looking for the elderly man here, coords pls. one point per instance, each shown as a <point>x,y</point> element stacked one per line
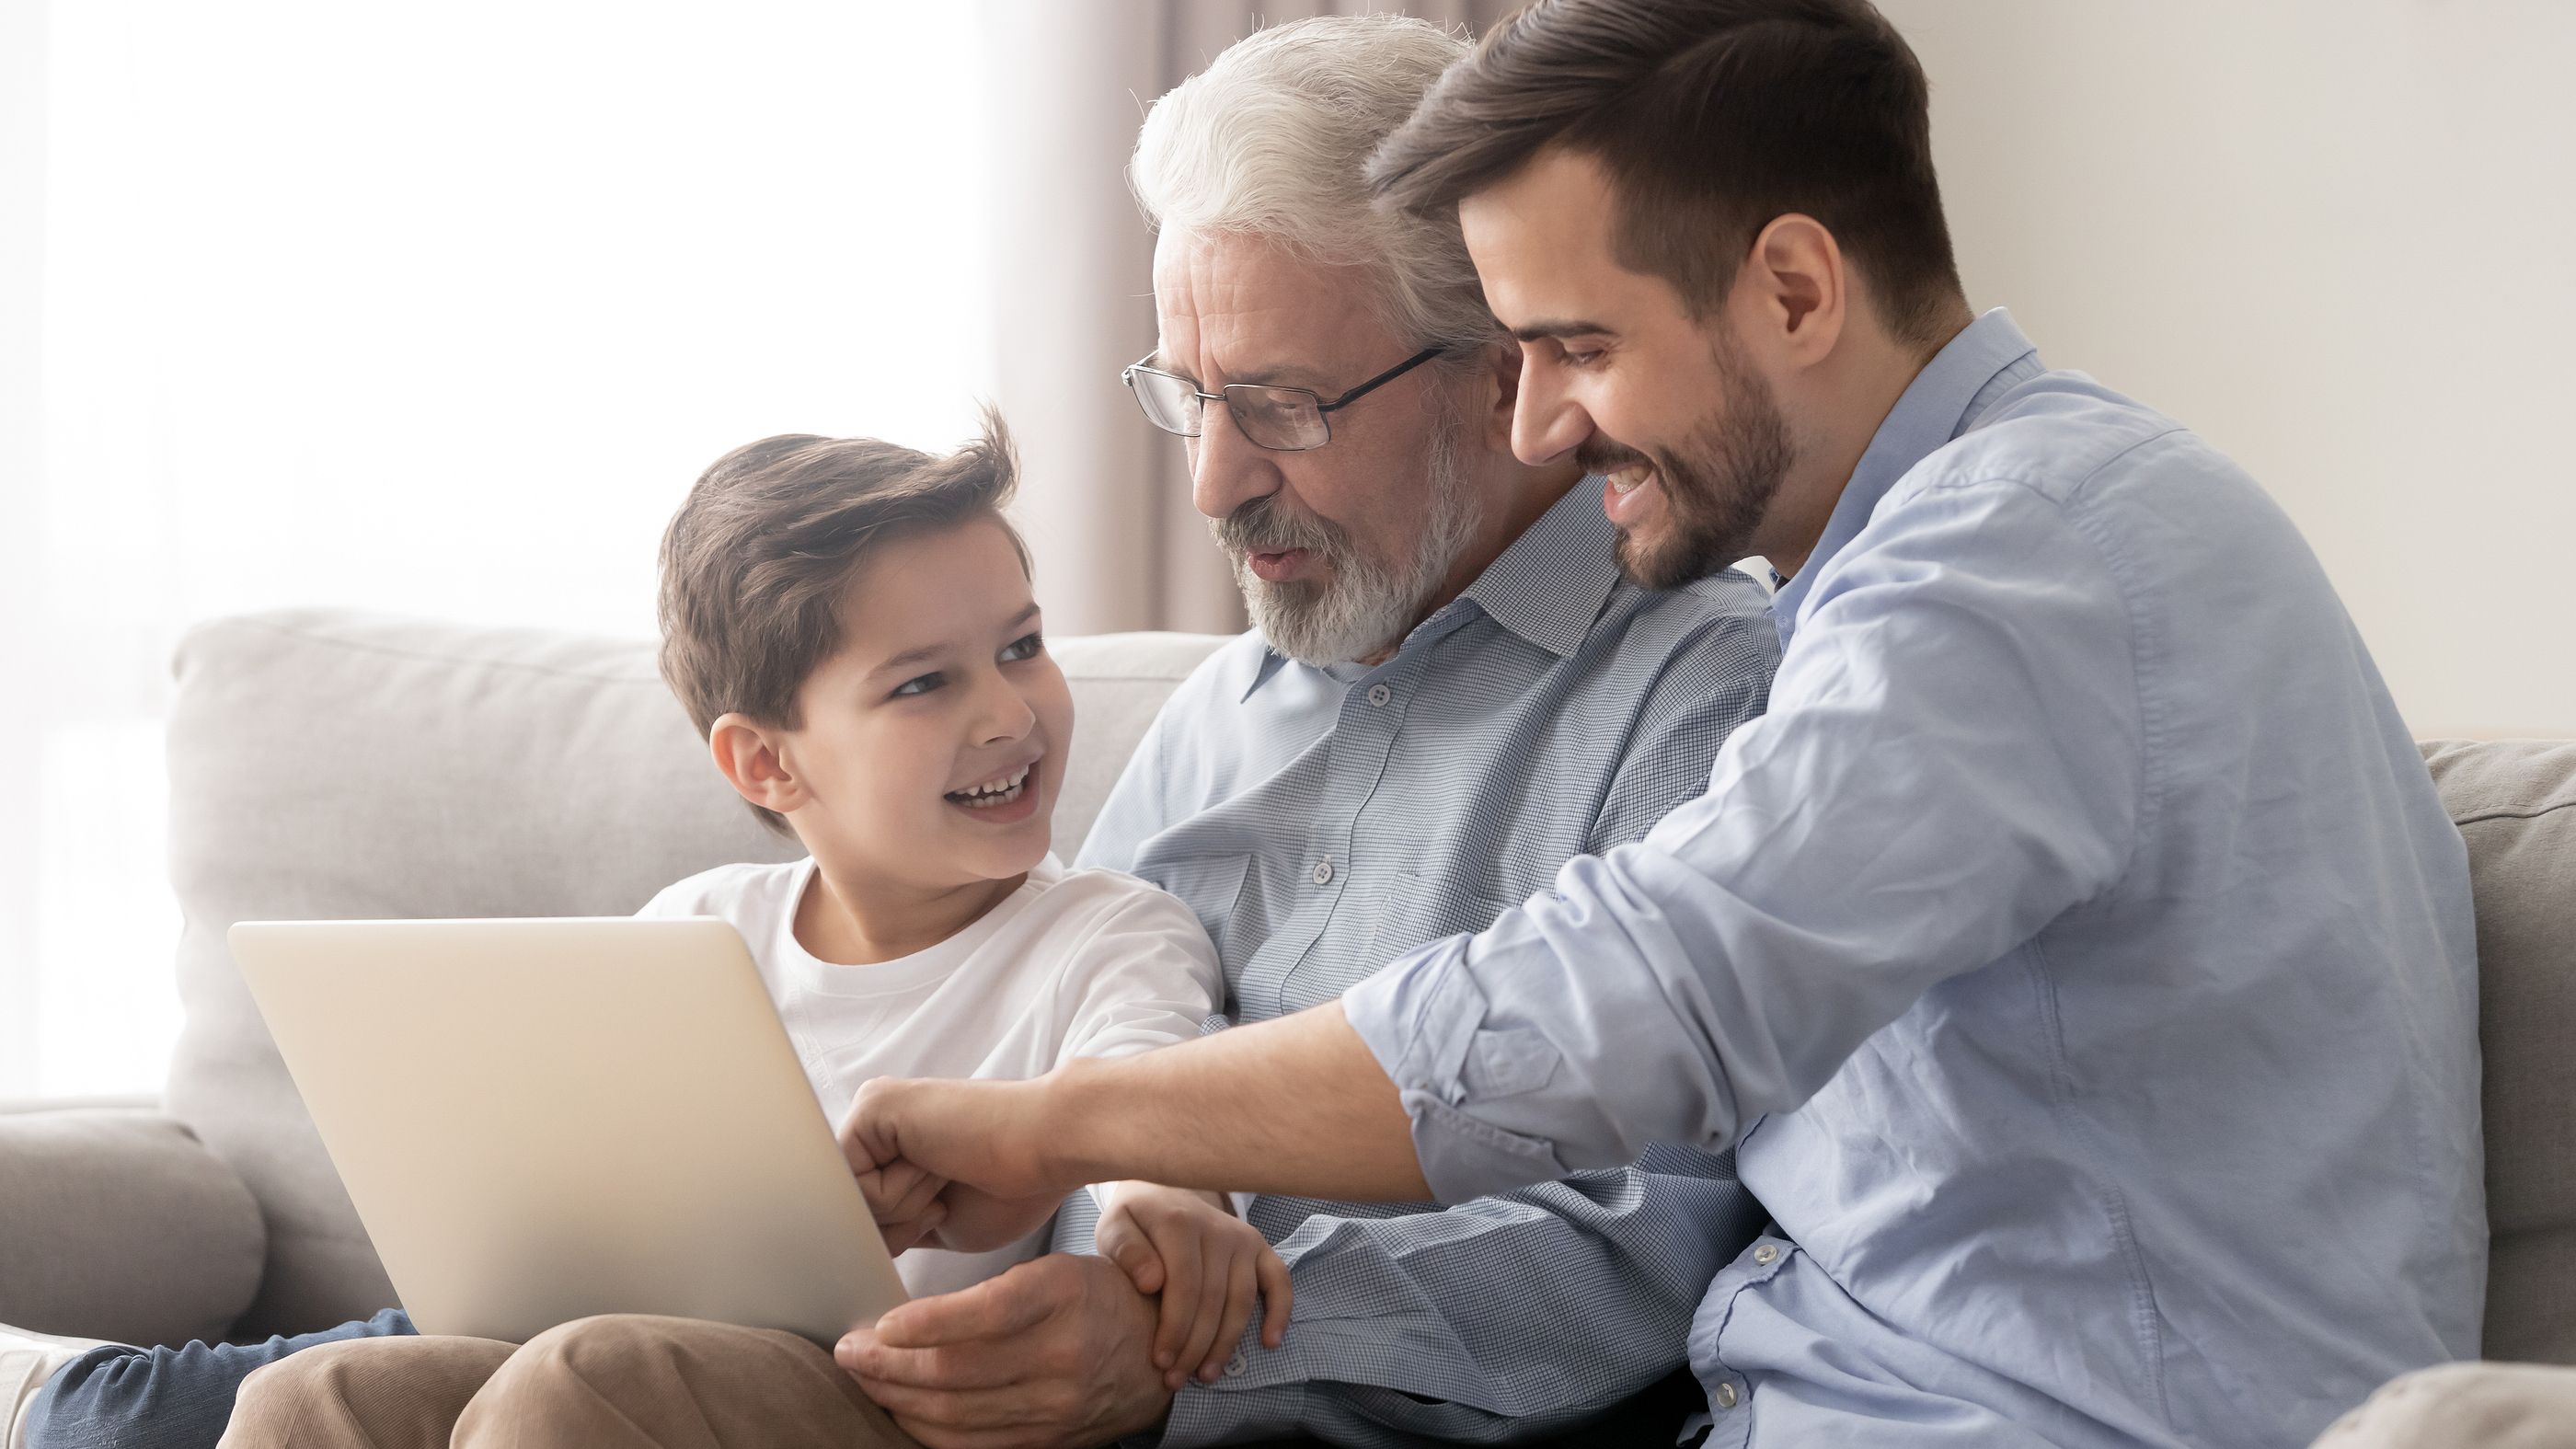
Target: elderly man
<point>1450,692</point>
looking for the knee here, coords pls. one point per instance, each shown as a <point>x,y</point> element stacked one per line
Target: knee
<point>585,1346</point>
<point>377,1391</point>
<point>275,1397</point>
<point>595,1354</point>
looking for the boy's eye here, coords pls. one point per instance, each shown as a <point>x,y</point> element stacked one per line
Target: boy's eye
<point>921,684</point>
<point>1027,646</point>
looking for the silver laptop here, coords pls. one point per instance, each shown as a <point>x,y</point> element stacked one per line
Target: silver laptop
<point>540,1120</point>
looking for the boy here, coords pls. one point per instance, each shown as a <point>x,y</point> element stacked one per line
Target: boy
<point>850,625</point>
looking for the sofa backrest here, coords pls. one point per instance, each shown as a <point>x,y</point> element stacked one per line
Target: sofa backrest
<point>337,765</point>
<point>2515,804</point>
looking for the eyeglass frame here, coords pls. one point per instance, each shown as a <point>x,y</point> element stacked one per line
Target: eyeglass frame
<point>1323,409</point>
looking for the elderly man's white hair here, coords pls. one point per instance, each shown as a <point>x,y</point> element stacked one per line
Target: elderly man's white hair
<point>1271,140</point>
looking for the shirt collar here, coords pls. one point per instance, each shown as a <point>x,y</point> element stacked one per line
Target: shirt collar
<point>1548,586</point>
<point>1935,408</point>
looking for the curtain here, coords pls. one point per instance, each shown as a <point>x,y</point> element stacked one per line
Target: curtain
<point>1105,497</point>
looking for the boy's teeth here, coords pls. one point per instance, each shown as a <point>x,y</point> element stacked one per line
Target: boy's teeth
<point>993,792</point>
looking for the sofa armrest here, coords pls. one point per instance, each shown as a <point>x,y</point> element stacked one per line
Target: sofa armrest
<point>116,1223</point>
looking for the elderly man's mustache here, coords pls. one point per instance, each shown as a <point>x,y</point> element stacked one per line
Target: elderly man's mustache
<point>1265,526</point>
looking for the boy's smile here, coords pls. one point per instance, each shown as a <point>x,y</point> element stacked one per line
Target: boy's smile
<point>1006,799</point>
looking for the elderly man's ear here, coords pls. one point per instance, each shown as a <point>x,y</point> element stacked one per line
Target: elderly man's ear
<point>1499,381</point>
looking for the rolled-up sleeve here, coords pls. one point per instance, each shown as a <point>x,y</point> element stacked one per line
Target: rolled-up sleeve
<point>1952,758</point>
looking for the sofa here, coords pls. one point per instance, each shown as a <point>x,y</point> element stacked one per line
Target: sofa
<point>334,764</point>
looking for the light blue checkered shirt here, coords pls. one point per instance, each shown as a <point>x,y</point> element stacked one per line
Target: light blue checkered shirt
<point>1324,822</point>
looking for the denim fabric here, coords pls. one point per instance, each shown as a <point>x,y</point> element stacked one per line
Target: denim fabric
<point>119,1397</point>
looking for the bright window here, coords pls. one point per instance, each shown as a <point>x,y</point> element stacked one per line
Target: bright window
<point>436,310</point>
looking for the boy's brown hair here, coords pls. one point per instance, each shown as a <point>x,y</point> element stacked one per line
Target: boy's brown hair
<point>757,561</point>
<point>1711,117</point>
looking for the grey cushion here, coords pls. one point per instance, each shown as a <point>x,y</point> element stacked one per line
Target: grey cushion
<point>2515,804</point>
<point>336,765</point>
<point>116,1223</point>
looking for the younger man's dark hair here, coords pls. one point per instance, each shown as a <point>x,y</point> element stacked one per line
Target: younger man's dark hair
<point>1712,117</point>
<point>758,559</point>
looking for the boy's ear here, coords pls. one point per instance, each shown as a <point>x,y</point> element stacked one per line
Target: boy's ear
<point>749,758</point>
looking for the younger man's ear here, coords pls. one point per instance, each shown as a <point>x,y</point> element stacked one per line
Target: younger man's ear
<point>1501,374</point>
<point>748,755</point>
<point>1800,290</point>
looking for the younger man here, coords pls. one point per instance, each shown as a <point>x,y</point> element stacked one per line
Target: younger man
<point>850,625</point>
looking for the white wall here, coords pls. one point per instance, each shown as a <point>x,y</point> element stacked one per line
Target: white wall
<point>22,296</point>
<point>2338,239</point>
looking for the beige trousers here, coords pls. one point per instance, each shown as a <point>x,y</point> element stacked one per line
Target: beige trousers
<point>621,1382</point>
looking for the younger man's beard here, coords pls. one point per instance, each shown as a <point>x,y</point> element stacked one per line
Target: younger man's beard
<point>1363,606</point>
<point>1716,490</point>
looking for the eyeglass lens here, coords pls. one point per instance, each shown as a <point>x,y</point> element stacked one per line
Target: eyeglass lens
<point>1272,417</point>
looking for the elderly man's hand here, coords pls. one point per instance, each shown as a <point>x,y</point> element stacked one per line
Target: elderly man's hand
<point>1055,1352</point>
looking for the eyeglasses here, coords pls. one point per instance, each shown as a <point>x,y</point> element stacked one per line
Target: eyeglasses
<point>1282,419</point>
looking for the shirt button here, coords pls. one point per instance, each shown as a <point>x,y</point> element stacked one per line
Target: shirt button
<point>1724,1398</point>
<point>1766,1255</point>
<point>1235,1366</point>
<point>1378,695</point>
<point>1323,872</point>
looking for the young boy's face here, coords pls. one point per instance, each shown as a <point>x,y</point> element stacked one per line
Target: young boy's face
<point>933,743</point>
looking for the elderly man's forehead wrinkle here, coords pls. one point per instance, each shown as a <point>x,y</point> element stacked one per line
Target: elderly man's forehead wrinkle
<point>1236,309</point>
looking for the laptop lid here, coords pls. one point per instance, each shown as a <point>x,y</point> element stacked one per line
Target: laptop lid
<point>543,1119</point>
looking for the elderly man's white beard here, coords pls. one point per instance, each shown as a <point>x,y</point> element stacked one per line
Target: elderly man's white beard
<point>1365,606</point>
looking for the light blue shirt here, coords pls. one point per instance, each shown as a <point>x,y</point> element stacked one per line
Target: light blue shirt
<point>2076,950</point>
<point>1324,821</point>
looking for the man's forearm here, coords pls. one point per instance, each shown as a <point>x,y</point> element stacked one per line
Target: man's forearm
<point>1295,1105</point>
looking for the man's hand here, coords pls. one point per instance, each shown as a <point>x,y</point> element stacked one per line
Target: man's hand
<point>1054,1352</point>
<point>1208,1266</point>
<point>898,1131</point>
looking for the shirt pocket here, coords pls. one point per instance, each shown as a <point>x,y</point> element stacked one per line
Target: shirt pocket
<point>1417,911</point>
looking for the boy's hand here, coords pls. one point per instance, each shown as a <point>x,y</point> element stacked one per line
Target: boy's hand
<point>905,1202</point>
<point>1208,1265</point>
<point>971,1220</point>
